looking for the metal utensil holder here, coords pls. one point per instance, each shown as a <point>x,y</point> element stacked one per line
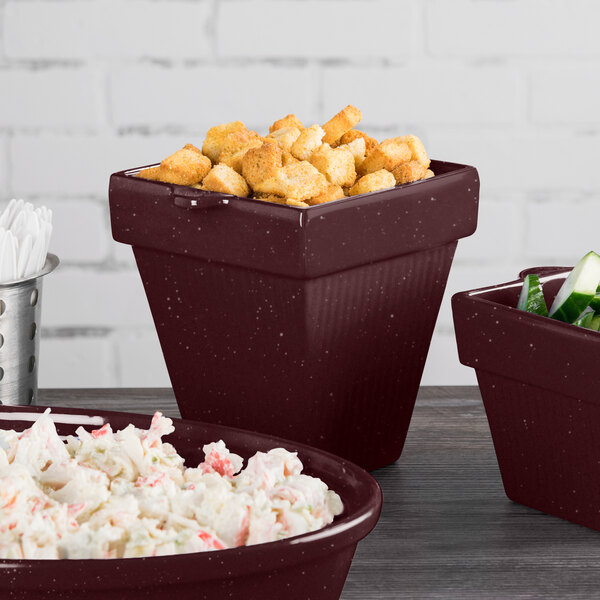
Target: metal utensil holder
<point>20,320</point>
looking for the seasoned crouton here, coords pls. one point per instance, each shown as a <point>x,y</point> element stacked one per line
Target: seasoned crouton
<point>332,192</point>
<point>299,180</point>
<point>337,164</point>
<point>285,137</point>
<point>186,167</point>
<point>153,173</point>
<point>262,162</point>
<point>308,141</point>
<point>389,154</point>
<point>409,171</point>
<point>270,198</point>
<point>287,121</point>
<point>379,180</point>
<point>358,149</point>
<point>224,179</point>
<point>294,202</point>
<point>287,158</point>
<point>417,149</point>
<point>216,136</point>
<point>353,134</point>
<point>236,140</point>
<point>234,158</point>
<point>337,126</point>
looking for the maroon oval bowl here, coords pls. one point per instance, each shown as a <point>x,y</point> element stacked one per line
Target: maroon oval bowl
<point>313,565</point>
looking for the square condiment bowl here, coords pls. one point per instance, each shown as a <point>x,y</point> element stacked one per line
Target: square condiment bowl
<point>539,380</point>
<point>309,323</point>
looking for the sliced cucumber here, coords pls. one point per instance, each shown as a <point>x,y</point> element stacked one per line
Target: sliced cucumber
<point>578,290</point>
<point>595,303</point>
<point>585,320</point>
<point>532,297</point>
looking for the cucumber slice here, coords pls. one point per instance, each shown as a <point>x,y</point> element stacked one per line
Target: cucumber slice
<point>532,297</point>
<point>595,303</point>
<point>585,320</point>
<point>578,290</point>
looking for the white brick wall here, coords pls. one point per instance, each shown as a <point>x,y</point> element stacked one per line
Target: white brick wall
<point>73,31</point>
<point>434,95</point>
<point>315,29</point>
<point>91,87</point>
<point>576,103</point>
<point>206,95</point>
<point>49,98</point>
<point>76,361</point>
<point>517,29</point>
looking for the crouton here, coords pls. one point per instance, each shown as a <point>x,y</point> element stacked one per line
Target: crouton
<point>288,121</point>
<point>409,171</point>
<point>389,154</point>
<point>234,158</point>
<point>216,136</point>
<point>379,180</point>
<point>285,137</point>
<point>287,158</point>
<point>307,142</point>
<point>236,140</point>
<point>186,167</point>
<point>332,192</point>
<point>270,198</point>
<point>417,149</point>
<point>153,173</point>
<point>337,164</point>
<point>224,179</point>
<point>358,149</point>
<point>337,126</point>
<point>299,180</point>
<point>353,134</point>
<point>294,202</point>
<point>262,162</point>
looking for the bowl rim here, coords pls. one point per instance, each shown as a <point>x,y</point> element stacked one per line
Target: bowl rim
<point>218,198</point>
<point>546,273</point>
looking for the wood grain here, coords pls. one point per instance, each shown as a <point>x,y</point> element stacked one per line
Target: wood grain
<point>447,529</point>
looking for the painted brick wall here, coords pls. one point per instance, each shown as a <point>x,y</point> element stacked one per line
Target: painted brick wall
<point>90,87</point>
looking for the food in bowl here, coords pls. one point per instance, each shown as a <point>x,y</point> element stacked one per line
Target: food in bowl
<point>293,164</point>
<point>577,301</point>
<point>106,494</point>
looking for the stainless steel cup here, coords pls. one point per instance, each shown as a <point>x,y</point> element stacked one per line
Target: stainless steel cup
<point>20,320</point>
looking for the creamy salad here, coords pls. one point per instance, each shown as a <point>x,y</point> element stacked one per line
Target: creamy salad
<point>114,494</point>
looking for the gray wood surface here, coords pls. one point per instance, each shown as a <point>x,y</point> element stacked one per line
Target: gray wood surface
<point>447,529</point>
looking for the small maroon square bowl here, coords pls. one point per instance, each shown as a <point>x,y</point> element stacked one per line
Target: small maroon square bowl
<point>539,380</point>
<point>312,565</point>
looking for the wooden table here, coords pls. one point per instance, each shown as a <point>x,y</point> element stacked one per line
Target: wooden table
<point>447,530</point>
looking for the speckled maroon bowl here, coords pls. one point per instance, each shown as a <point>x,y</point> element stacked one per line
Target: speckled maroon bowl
<point>309,323</point>
<point>540,382</point>
<point>312,565</point>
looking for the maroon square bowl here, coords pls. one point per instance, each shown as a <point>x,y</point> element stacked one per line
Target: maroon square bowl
<point>539,380</point>
<point>312,565</point>
<point>308,323</point>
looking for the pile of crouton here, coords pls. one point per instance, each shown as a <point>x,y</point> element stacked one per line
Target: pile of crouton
<point>293,164</point>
